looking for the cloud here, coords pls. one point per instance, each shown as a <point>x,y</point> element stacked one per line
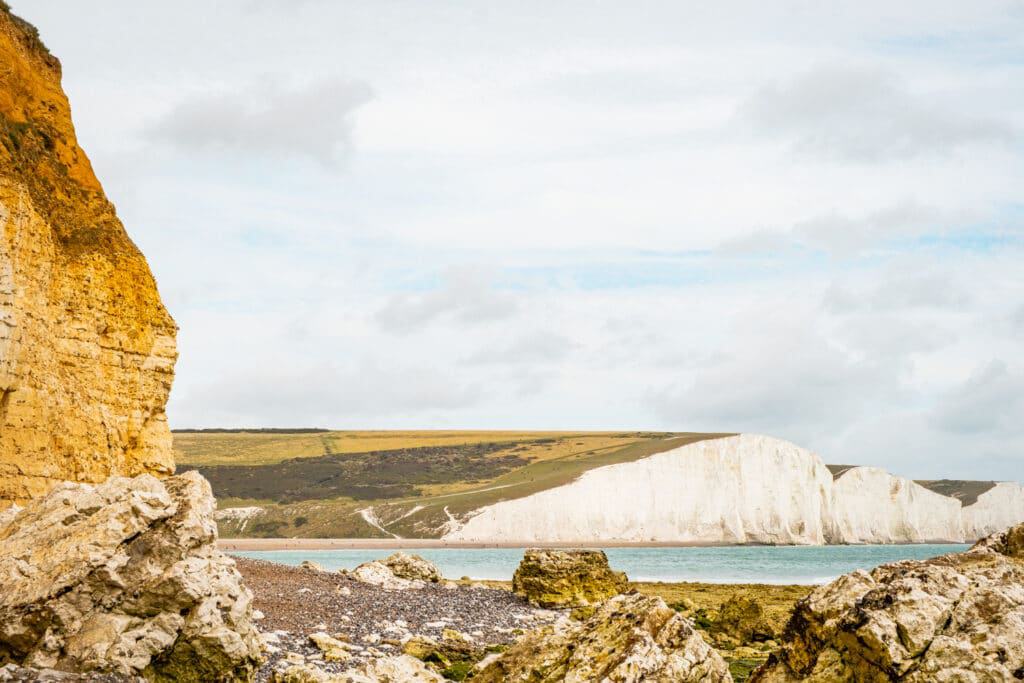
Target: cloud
<point>268,119</point>
<point>788,381</point>
<point>937,289</point>
<point>866,115</point>
<point>537,348</point>
<point>465,296</point>
<point>324,395</point>
<point>990,400</point>
<point>845,236</point>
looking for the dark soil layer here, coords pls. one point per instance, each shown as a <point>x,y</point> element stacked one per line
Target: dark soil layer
<point>362,476</point>
<point>966,492</point>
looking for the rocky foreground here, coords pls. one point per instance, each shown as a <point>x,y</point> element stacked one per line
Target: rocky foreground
<point>123,582</point>
<point>366,621</point>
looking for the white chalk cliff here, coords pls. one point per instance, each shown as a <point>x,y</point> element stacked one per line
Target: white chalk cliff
<point>740,489</point>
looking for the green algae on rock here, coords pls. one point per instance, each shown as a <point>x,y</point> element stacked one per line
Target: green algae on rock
<point>566,578</point>
<point>630,638</point>
<point>742,619</point>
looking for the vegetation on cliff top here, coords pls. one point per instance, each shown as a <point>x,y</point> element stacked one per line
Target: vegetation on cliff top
<point>377,483</point>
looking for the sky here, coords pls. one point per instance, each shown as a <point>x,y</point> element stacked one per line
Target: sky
<point>799,219</point>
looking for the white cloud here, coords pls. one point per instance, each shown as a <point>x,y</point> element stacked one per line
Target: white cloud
<point>799,219</point>
<point>868,115</point>
<point>465,296</point>
<point>990,401</point>
<point>267,118</point>
<point>324,394</point>
<point>536,348</point>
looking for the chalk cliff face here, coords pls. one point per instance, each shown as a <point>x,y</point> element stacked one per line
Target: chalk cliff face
<point>997,508</point>
<point>741,489</point>
<point>87,348</point>
<point>869,505</point>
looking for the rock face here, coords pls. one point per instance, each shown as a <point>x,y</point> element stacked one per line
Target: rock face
<point>953,618</point>
<point>629,639</point>
<point>125,578</point>
<point>566,578</point>
<point>87,349</point>
<point>740,489</point>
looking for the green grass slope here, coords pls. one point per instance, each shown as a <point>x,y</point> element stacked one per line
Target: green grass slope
<point>345,485</point>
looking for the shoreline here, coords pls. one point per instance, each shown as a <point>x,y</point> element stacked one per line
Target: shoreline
<point>285,544</point>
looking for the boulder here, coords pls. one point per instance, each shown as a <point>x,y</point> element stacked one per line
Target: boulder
<point>958,617</point>
<point>312,566</point>
<point>630,638</point>
<point>125,578</point>
<point>12,673</point>
<point>401,669</point>
<point>406,566</point>
<point>743,620</point>
<point>453,650</point>
<point>566,578</point>
<point>1009,543</point>
<point>399,571</point>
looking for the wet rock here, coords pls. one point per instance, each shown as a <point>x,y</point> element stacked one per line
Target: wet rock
<point>743,620</point>
<point>453,651</point>
<point>566,578</point>
<point>958,617</point>
<point>630,638</point>
<point>125,578</point>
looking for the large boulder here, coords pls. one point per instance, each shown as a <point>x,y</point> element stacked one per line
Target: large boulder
<point>566,578</point>
<point>743,620</point>
<point>630,638</point>
<point>398,669</point>
<point>957,617</point>
<point>125,578</point>
<point>399,571</point>
<point>406,566</point>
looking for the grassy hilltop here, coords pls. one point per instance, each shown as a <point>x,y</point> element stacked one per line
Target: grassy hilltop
<point>378,484</point>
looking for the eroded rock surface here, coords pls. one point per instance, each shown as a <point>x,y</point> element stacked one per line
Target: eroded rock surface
<point>629,639</point>
<point>957,617</point>
<point>125,578</point>
<point>566,578</point>
<point>87,349</point>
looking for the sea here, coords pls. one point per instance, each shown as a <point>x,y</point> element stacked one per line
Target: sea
<point>720,564</point>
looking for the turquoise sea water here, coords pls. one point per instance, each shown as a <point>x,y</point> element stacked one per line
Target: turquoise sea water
<point>732,564</point>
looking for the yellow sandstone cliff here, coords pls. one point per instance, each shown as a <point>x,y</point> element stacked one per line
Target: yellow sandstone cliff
<point>87,349</point>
